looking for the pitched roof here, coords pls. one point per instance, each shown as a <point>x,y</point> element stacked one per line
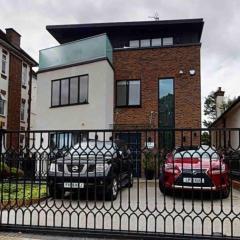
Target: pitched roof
<point>16,49</point>
<point>230,108</point>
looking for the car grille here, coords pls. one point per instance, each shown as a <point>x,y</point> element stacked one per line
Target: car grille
<point>194,173</point>
<point>60,167</point>
<point>91,168</point>
<point>75,168</point>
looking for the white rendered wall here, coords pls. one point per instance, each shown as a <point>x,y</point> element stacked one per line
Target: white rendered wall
<point>98,114</point>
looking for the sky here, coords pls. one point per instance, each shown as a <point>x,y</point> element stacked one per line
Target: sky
<point>220,52</point>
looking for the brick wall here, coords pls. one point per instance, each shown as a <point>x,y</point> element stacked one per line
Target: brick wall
<point>14,97</point>
<point>149,65</point>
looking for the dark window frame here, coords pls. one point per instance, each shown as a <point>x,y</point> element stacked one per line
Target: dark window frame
<point>127,94</point>
<point>69,92</point>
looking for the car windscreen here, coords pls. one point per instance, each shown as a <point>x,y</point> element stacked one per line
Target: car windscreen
<point>94,149</point>
<point>209,154</point>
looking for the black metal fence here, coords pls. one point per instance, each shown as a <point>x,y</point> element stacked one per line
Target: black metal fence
<point>146,182</point>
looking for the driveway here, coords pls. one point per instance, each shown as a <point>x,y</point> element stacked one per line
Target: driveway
<point>141,208</point>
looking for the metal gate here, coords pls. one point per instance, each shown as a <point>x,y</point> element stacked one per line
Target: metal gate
<point>85,184</point>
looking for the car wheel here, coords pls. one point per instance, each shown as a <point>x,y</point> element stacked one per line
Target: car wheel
<point>225,193</point>
<point>162,187</point>
<point>112,192</point>
<point>55,192</point>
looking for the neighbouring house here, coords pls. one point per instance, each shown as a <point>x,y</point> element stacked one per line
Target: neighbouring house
<point>227,134</point>
<point>15,85</point>
<point>122,75</point>
<point>230,118</point>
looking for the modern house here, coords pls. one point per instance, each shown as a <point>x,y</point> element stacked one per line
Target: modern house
<point>122,75</point>
<point>15,84</point>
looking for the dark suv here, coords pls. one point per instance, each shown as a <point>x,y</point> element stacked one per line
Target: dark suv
<point>101,166</point>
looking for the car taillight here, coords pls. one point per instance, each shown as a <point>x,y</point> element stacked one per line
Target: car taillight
<point>171,168</point>
<point>217,169</point>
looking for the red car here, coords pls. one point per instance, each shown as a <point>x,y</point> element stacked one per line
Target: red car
<point>201,169</point>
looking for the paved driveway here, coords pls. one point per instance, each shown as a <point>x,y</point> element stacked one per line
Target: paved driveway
<point>141,208</point>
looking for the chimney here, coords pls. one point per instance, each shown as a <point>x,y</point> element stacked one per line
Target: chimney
<point>13,37</point>
<point>219,97</point>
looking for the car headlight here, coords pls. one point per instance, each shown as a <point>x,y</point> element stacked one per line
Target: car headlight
<point>102,167</point>
<point>53,167</point>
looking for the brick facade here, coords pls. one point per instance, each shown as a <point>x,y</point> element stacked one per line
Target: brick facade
<point>14,99</point>
<point>149,65</point>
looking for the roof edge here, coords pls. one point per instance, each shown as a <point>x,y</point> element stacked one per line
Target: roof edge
<point>130,23</point>
<point>226,111</point>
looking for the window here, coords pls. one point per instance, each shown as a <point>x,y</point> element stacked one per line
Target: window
<point>145,43</point>
<point>64,91</point>
<point>167,41</point>
<point>2,104</point>
<point>156,42</point>
<point>4,63</point>
<point>166,112</point>
<point>55,93</point>
<point>22,112</point>
<point>70,91</point>
<point>128,93</point>
<point>24,75</point>
<point>134,43</point>
<point>166,103</point>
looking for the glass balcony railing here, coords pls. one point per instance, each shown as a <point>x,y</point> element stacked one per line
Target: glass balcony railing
<point>80,51</point>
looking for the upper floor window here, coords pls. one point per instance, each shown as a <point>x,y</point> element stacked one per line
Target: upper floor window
<point>155,42</point>
<point>134,43</point>
<point>167,41</point>
<point>24,75</point>
<point>2,104</point>
<point>4,62</point>
<point>70,91</point>
<point>128,93</point>
<point>145,43</point>
<point>22,110</point>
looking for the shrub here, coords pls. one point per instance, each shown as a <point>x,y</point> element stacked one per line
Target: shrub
<point>6,171</point>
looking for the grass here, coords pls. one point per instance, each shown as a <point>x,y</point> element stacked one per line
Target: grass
<point>20,191</point>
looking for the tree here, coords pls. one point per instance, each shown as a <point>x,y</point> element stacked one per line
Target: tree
<point>210,108</point>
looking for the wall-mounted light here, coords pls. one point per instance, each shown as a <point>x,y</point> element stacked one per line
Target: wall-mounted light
<point>192,72</point>
<point>180,71</point>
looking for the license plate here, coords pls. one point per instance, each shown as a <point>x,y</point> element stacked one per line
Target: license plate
<point>193,180</point>
<point>73,185</point>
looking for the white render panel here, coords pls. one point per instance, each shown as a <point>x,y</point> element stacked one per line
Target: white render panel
<point>98,114</point>
<point>233,121</point>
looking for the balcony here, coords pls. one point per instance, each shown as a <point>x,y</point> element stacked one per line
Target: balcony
<point>84,50</point>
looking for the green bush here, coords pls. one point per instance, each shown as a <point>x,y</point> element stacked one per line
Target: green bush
<point>6,171</point>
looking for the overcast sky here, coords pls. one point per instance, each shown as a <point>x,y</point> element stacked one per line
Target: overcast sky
<point>220,59</point>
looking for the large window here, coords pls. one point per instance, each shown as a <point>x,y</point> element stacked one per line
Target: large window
<point>4,63</point>
<point>166,103</point>
<point>128,93</point>
<point>2,104</point>
<point>22,112</point>
<point>166,112</point>
<point>70,91</point>
<point>24,75</point>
